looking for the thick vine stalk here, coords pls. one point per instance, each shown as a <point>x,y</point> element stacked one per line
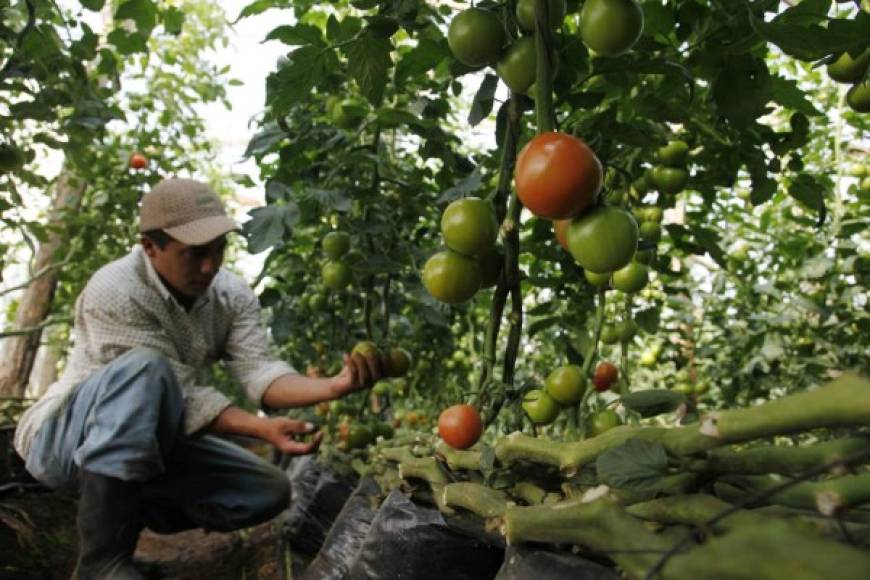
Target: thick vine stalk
<point>476,498</point>
<point>829,496</point>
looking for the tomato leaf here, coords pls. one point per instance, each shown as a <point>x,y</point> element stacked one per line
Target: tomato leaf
<point>808,191</point>
<point>268,225</point>
<point>173,20</point>
<point>792,33</point>
<point>142,12</point>
<point>481,107</point>
<point>297,35</point>
<point>94,5</point>
<point>635,465</point>
<point>468,185</point>
<point>264,140</point>
<point>422,58</point>
<point>368,60</point>
<point>652,402</point>
<point>787,93</point>
<point>648,320</point>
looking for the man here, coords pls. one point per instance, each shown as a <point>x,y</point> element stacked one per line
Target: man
<point>130,426</point>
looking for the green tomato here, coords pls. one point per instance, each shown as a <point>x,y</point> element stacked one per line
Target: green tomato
<point>858,97</point>
<point>381,388</point>
<point>336,244</point>
<point>475,37</point>
<point>609,334</point>
<point>526,13</point>
<point>604,421</point>
<point>469,226</point>
<point>566,384</point>
<point>347,114</point>
<point>451,277</point>
<point>632,278</point>
<point>683,387</point>
<point>359,436</point>
<point>626,330</point>
<point>517,65</point>
<point>857,170</point>
<point>669,179</point>
<point>610,27</point>
<point>603,240</point>
<point>848,70</point>
<point>540,407</point>
<point>674,154</point>
<point>597,280</point>
<point>382,429</point>
<point>648,359</point>
<point>650,231</point>
<point>336,275</point>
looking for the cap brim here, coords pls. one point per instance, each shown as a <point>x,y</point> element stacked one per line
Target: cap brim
<point>202,231</point>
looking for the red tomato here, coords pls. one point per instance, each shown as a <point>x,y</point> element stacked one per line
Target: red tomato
<point>605,375</point>
<point>460,426</point>
<point>138,161</point>
<point>557,176</point>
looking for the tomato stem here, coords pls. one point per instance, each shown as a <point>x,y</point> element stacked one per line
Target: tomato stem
<point>544,66</point>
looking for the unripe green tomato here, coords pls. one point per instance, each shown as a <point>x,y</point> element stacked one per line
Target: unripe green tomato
<point>359,436</point>
<point>336,244</point>
<point>381,388</point>
<point>336,275</point>
<point>857,170</point>
<point>475,37</point>
<point>858,97</point>
<point>597,280</point>
<point>609,334</point>
<point>604,239</point>
<point>669,179</point>
<point>540,407</point>
<point>631,278</point>
<point>701,387</point>
<point>648,359</point>
<point>848,70</point>
<point>650,231</point>
<point>626,330</point>
<point>674,154</point>
<point>469,226</point>
<point>683,387</point>
<point>526,14</point>
<point>610,27</point>
<point>566,384</point>
<point>518,65</point>
<point>451,277</point>
<point>604,421</point>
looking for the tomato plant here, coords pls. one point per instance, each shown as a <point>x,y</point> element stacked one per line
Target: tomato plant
<point>460,426</point>
<point>557,176</point>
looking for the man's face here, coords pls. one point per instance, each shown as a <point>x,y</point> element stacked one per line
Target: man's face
<point>189,270</point>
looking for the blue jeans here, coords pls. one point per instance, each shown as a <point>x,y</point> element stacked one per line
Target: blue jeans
<point>125,422</point>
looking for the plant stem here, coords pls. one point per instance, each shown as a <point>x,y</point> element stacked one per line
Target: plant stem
<point>543,73</point>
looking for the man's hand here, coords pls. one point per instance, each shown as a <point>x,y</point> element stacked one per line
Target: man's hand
<point>359,372</point>
<point>279,431</point>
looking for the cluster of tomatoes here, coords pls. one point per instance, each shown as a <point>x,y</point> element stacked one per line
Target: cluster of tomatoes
<point>471,261</point>
<point>477,36</point>
<point>335,272</point>
<point>843,68</point>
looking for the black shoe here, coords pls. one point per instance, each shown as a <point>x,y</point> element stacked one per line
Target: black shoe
<point>109,522</point>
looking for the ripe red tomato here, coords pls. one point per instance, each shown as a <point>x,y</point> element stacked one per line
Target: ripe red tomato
<point>138,161</point>
<point>469,226</point>
<point>606,374</point>
<point>451,277</point>
<point>557,176</point>
<point>460,426</point>
<point>475,37</point>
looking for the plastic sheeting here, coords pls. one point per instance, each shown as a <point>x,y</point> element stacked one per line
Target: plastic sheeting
<point>347,535</point>
<point>410,542</point>
<point>317,495</point>
<point>523,563</point>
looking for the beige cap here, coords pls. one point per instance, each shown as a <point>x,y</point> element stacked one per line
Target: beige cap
<point>187,210</point>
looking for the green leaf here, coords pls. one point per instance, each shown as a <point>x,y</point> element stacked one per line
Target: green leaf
<point>377,264</point>
<point>709,240</point>
<point>657,19</point>
<point>464,187</point>
<point>368,63</point>
<point>95,5</point>
<point>811,42</point>
<point>787,94</point>
<point>648,320</point>
<point>263,141</point>
<point>542,324</point>
<point>424,57</point>
<point>389,118</point>
<point>652,402</point>
<point>481,107</point>
<point>295,80</point>
<point>808,191</point>
<point>173,20</point>
<point>268,225</point>
<point>636,465</point>
<point>256,7</point>
<point>329,199</point>
<point>297,35</point>
<point>127,42</point>
<point>142,12</point>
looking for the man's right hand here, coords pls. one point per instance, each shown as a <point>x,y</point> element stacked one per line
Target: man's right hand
<point>280,432</point>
